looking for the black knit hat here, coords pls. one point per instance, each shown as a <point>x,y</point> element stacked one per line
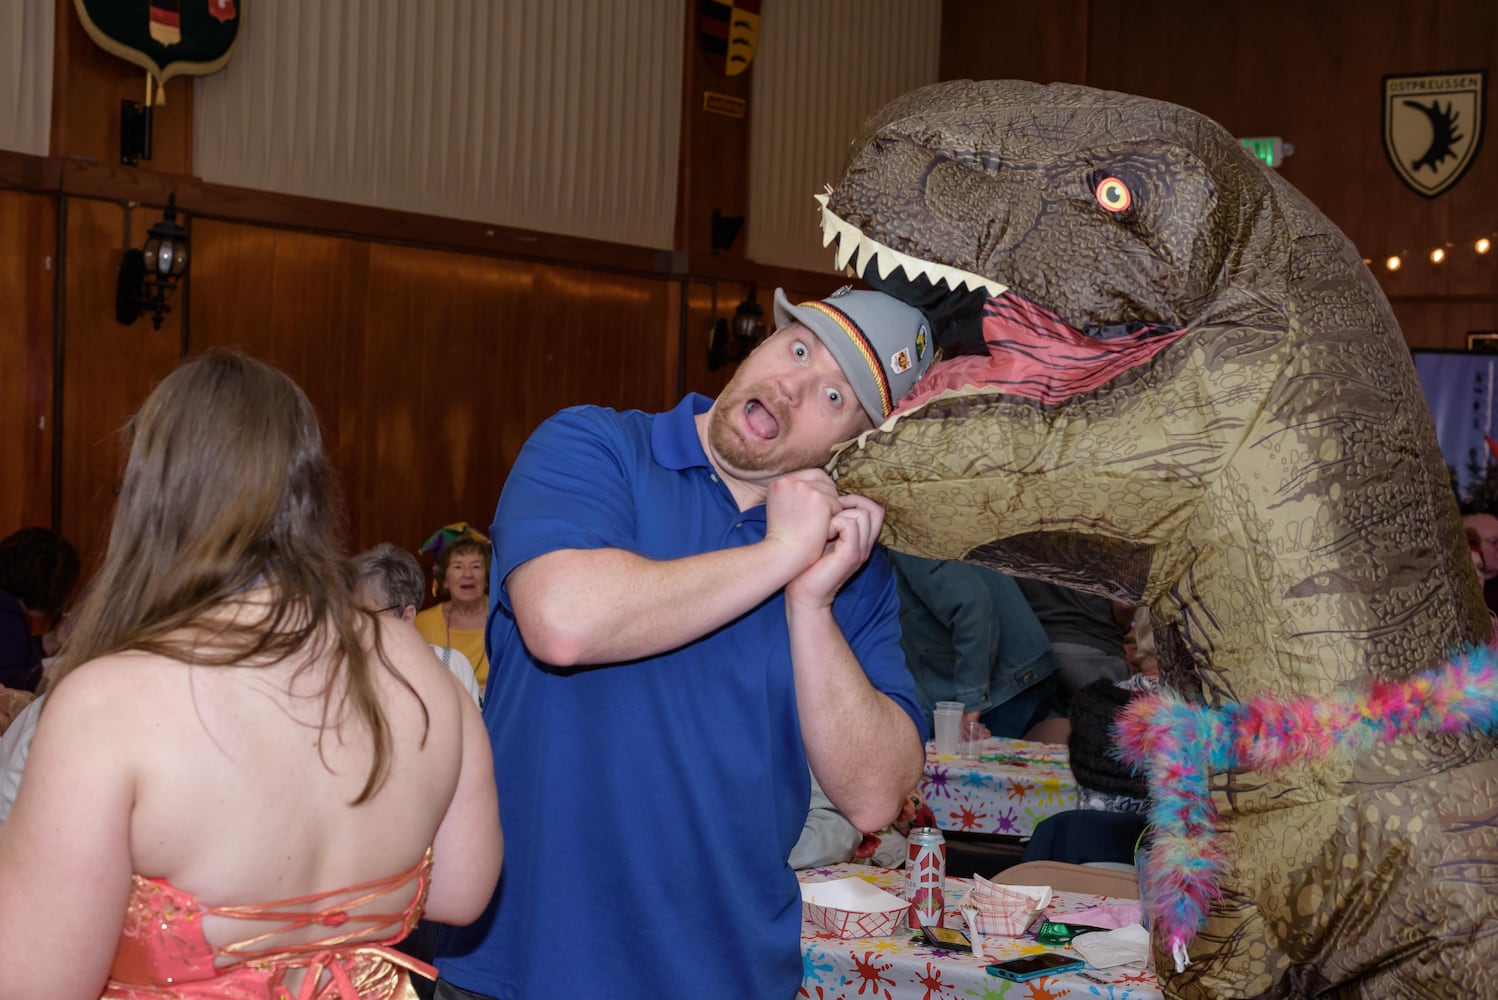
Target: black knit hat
<point>1094,756</point>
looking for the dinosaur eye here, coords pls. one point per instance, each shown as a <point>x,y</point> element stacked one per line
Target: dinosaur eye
<point>1113,194</point>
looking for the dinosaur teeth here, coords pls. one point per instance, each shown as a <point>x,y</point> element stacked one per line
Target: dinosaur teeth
<point>846,244</point>
<point>856,252</point>
<point>863,252</point>
<point>845,233</point>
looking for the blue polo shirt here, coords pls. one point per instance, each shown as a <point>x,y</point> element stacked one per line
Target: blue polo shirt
<point>648,807</point>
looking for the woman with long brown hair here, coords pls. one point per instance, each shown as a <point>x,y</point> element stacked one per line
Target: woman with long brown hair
<point>242,784</point>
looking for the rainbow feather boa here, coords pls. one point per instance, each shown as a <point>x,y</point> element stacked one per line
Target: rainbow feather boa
<point>1180,746</point>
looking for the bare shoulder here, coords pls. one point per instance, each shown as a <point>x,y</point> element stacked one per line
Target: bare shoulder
<point>96,715</point>
<point>408,652</point>
<point>111,682</point>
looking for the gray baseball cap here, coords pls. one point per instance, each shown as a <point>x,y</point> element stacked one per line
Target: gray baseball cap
<point>882,345</point>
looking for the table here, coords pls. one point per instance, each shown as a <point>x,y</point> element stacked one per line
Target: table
<point>1013,785</point>
<point>898,968</point>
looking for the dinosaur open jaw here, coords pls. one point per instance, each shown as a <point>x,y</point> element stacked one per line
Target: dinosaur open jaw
<point>857,251</point>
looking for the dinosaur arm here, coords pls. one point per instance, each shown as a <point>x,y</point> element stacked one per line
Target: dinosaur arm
<point>971,473</point>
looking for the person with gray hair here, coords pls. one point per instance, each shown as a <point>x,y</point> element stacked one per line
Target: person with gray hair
<point>390,581</point>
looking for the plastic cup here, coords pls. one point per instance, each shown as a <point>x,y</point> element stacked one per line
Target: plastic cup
<point>972,740</point>
<point>948,725</point>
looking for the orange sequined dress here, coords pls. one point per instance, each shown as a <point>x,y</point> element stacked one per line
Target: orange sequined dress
<point>163,952</point>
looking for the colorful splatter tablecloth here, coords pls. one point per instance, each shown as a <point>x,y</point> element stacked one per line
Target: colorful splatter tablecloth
<point>1006,790</point>
<point>903,966</point>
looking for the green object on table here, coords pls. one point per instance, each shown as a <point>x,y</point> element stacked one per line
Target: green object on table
<point>1016,758</point>
<point>1058,934</point>
<point>1052,933</point>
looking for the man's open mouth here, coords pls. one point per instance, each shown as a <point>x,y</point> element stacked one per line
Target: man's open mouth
<point>761,421</point>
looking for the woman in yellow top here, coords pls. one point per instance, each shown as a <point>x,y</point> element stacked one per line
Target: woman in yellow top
<point>462,584</point>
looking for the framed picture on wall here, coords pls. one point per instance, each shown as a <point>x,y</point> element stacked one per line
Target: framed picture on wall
<point>1483,341</point>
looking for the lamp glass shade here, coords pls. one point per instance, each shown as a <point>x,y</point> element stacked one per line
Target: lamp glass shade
<point>165,254</point>
<point>748,320</point>
<point>179,258</point>
<point>152,251</point>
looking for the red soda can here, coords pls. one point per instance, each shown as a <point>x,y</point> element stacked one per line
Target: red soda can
<point>926,876</point>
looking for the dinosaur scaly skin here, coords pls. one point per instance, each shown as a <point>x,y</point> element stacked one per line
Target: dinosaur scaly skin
<point>1210,410</point>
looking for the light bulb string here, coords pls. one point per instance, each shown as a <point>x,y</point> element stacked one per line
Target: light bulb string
<point>1479,246</point>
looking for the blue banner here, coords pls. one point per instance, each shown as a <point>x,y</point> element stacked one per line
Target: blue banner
<point>1459,387</point>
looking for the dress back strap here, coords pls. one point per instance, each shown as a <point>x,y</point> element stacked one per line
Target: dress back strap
<point>334,913</point>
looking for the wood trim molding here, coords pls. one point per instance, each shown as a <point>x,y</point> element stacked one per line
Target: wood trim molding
<point>90,179</point>
<point>24,172</point>
<point>1414,298</point>
<point>136,185</point>
<point>711,267</point>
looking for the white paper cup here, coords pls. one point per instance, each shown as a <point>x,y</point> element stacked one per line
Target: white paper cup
<point>948,725</point>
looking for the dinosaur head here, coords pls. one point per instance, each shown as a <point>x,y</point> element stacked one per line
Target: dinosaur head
<point>1100,208</point>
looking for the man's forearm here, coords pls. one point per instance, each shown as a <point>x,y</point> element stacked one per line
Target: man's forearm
<point>589,606</point>
<point>863,748</point>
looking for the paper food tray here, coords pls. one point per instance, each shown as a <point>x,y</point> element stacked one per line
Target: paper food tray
<point>997,910</point>
<point>853,908</point>
<point>1012,923</point>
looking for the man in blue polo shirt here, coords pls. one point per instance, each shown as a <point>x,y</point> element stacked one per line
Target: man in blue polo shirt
<point>685,615</point>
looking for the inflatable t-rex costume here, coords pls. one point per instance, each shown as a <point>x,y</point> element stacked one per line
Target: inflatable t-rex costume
<point>1186,390</point>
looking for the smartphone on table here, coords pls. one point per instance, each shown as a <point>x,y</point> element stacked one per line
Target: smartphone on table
<point>949,938</point>
<point>1029,967</point>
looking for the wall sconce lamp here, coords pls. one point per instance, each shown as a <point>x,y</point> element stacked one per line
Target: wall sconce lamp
<point>732,341</point>
<point>149,274</point>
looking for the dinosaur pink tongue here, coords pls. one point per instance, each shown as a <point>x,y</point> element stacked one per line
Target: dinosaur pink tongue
<point>1034,353</point>
<point>761,421</point>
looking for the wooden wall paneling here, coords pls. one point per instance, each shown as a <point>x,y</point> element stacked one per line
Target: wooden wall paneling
<point>1313,75</point>
<point>28,261</point>
<point>289,299</point>
<point>108,369</point>
<point>1444,321</point>
<point>296,301</point>
<point>714,156</point>
<point>231,271</point>
<point>1044,42</point>
<point>428,369</point>
<point>601,338</point>
<point>706,302</point>
<point>1382,214</point>
<point>87,87</point>
<point>442,387</point>
<point>23,172</point>
<point>1310,73</point>
<point>286,211</point>
<point>675,339</point>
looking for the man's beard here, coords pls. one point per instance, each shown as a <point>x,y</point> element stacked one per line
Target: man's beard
<point>732,453</point>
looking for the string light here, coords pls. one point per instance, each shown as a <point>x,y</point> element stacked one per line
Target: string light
<point>1437,255</point>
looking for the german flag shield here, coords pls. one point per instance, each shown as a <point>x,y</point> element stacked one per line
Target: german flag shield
<point>730,31</point>
<point>165,37</point>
